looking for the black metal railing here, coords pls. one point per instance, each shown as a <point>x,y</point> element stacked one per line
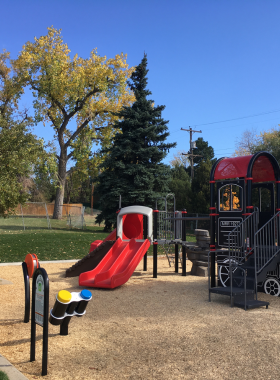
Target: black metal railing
<point>266,243</point>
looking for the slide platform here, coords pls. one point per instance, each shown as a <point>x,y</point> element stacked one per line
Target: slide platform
<point>117,266</point>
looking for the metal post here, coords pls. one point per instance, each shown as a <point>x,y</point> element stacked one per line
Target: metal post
<point>117,225</point>
<point>22,217</point>
<point>27,293</point>
<point>40,272</point>
<point>47,214</point>
<point>176,258</point>
<point>155,244</point>
<point>184,250</point>
<point>64,326</point>
<point>212,234</point>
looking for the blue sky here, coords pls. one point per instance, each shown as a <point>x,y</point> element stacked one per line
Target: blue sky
<point>209,60</point>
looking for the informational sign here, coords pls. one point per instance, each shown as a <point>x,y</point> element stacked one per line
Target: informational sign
<point>226,225</point>
<point>39,314</point>
<point>39,301</point>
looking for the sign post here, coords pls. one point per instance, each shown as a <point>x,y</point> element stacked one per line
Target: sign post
<point>27,293</point>
<point>39,314</point>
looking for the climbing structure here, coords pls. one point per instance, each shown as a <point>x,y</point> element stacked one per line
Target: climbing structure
<point>245,229</point>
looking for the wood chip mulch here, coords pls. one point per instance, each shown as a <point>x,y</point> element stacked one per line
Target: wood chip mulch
<point>162,328</point>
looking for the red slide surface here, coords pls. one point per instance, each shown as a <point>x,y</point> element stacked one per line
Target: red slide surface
<point>117,266</point>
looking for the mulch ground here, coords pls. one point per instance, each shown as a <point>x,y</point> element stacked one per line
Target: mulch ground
<point>162,328</point>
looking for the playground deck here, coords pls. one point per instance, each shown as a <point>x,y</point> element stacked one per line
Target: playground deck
<point>162,328</point>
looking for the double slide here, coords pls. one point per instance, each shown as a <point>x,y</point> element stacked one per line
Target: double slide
<point>117,266</point>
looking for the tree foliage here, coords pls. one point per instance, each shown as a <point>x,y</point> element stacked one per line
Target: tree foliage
<point>180,186</point>
<point>180,159</point>
<point>270,142</point>
<point>204,150</point>
<point>193,195</point>
<point>20,151</point>
<point>199,201</point>
<point>251,143</point>
<point>133,166</point>
<point>79,97</point>
<point>245,145</point>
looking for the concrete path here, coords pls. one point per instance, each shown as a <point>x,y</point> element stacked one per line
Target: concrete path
<point>43,262</point>
<point>10,370</point>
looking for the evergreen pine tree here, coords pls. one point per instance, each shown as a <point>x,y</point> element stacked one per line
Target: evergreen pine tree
<point>133,167</point>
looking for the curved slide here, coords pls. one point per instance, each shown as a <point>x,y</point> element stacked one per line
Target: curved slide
<point>117,266</point>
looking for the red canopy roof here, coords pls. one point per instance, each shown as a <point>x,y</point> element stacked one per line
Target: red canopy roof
<point>237,167</point>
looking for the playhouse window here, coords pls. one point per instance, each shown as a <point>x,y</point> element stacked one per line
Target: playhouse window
<point>230,198</point>
<point>261,198</point>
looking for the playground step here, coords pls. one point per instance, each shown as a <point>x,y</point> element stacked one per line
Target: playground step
<point>238,295</point>
<point>251,304</point>
<point>226,291</point>
<point>248,278</point>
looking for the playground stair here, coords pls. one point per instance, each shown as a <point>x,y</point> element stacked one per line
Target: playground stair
<point>250,266</point>
<point>243,296</point>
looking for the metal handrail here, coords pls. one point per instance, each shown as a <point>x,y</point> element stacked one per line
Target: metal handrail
<point>241,238</point>
<point>266,243</point>
<point>240,246</point>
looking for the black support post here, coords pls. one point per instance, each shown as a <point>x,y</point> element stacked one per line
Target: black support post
<point>64,326</point>
<point>184,249</point>
<point>155,244</point>
<point>27,293</point>
<point>37,300</point>
<point>213,215</point>
<point>176,258</point>
<point>277,195</point>
<point>278,206</point>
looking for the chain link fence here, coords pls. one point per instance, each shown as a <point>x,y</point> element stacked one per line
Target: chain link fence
<point>38,215</point>
<point>31,215</point>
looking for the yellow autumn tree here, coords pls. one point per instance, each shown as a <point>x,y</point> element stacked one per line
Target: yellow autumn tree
<point>77,96</point>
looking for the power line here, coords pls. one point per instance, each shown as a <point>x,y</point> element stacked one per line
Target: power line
<point>217,150</point>
<point>239,118</point>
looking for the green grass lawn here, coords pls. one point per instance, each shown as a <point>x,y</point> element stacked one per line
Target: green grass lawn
<point>57,243</point>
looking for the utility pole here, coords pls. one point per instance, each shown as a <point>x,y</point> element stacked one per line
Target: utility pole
<point>190,153</point>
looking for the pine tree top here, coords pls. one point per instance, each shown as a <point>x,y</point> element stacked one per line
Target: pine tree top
<point>138,80</point>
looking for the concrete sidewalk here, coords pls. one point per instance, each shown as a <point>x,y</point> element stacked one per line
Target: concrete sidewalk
<point>10,370</point>
<point>41,262</point>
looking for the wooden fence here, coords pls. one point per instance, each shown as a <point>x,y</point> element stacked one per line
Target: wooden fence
<point>39,209</point>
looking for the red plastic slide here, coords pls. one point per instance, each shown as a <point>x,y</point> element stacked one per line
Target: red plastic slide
<point>117,266</point>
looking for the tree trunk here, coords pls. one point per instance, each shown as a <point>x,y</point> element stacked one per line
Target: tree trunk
<point>57,212</point>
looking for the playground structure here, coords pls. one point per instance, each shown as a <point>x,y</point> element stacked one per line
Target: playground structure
<point>68,305</point>
<point>117,266</point>
<point>110,263</point>
<point>245,230</point>
<point>171,232</point>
